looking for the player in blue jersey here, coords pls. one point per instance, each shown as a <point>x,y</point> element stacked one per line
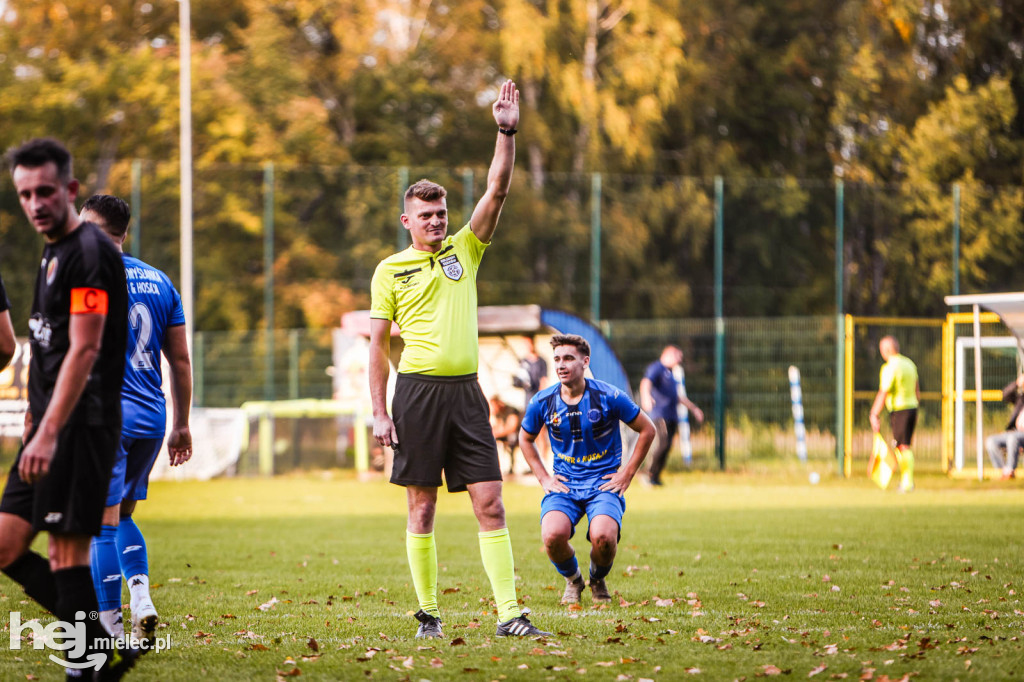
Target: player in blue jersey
<point>156,323</point>
<point>582,417</point>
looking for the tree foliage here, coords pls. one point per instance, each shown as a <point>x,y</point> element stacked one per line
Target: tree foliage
<point>347,99</point>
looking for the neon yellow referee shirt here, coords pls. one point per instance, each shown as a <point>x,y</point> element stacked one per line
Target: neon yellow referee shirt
<point>432,297</point>
<point>898,379</point>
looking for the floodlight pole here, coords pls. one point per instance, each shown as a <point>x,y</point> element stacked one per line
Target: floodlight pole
<point>185,152</point>
<point>135,248</point>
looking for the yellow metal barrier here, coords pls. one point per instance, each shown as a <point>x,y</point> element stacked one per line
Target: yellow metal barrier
<point>848,376</point>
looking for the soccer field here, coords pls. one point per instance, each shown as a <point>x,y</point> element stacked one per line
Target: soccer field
<point>718,577</point>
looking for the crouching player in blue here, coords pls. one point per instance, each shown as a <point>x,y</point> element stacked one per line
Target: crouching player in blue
<point>582,417</point>
<point>156,324</point>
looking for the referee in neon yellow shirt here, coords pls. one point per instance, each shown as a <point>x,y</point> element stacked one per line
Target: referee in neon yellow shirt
<point>899,392</point>
<point>441,418</point>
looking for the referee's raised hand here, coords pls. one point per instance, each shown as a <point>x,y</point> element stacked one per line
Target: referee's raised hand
<point>506,107</point>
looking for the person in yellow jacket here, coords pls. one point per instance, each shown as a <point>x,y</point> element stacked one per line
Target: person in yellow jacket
<point>899,392</point>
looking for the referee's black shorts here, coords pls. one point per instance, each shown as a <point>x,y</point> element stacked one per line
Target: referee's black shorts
<point>903,423</point>
<point>71,497</point>
<point>444,427</point>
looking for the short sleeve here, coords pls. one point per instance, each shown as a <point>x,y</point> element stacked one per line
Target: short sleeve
<point>470,244</point>
<point>533,420</point>
<point>382,294</point>
<point>652,373</point>
<point>623,406</point>
<point>177,309</point>
<point>885,378</point>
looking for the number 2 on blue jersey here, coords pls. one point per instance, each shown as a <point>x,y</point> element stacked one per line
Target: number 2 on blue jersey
<point>141,321</point>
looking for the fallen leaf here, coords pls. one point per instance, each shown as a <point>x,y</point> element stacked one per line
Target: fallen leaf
<point>771,670</point>
<point>458,641</point>
<point>268,605</point>
<point>312,644</point>
<point>816,671</point>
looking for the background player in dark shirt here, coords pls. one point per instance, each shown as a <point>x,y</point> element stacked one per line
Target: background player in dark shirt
<point>660,398</point>
<point>78,330</point>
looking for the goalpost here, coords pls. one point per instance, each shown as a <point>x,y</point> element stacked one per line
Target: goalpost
<point>1007,308</point>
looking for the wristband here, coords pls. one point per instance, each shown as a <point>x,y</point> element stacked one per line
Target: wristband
<point>509,131</point>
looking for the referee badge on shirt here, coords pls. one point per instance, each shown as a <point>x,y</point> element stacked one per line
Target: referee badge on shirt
<point>451,267</point>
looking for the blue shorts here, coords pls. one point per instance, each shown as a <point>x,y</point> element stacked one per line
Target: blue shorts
<point>130,478</point>
<point>589,501</point>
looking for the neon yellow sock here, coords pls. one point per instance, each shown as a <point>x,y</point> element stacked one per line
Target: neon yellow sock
<point>906,460</point>
<point>496,552</point>
<point>422,554</point>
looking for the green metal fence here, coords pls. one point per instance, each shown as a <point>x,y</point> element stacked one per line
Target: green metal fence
<point>599,245</point>
<point>230,368</point>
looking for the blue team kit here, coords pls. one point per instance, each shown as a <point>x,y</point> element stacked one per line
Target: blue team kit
<point>587,446</point>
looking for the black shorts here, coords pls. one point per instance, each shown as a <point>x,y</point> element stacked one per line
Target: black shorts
<point>903,422</point>
<point>443,425</point>
<point>71,497</point>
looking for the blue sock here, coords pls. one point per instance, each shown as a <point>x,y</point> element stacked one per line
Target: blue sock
<point>568,568</point>
<point>598,572</point>
<point>106,570</point>
<point>131,547</point>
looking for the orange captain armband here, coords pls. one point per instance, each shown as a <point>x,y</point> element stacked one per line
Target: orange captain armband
<point>85,301</point>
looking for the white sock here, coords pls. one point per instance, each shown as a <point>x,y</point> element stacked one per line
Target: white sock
<point>138,585</point>
<point>112,622</point>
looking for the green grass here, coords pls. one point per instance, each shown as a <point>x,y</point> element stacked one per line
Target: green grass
<point>772,573</point>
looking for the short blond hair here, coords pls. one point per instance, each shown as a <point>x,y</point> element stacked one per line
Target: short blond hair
<point>426,190</point>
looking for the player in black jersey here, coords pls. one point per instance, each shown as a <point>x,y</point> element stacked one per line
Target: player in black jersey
<point>78,331</point>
